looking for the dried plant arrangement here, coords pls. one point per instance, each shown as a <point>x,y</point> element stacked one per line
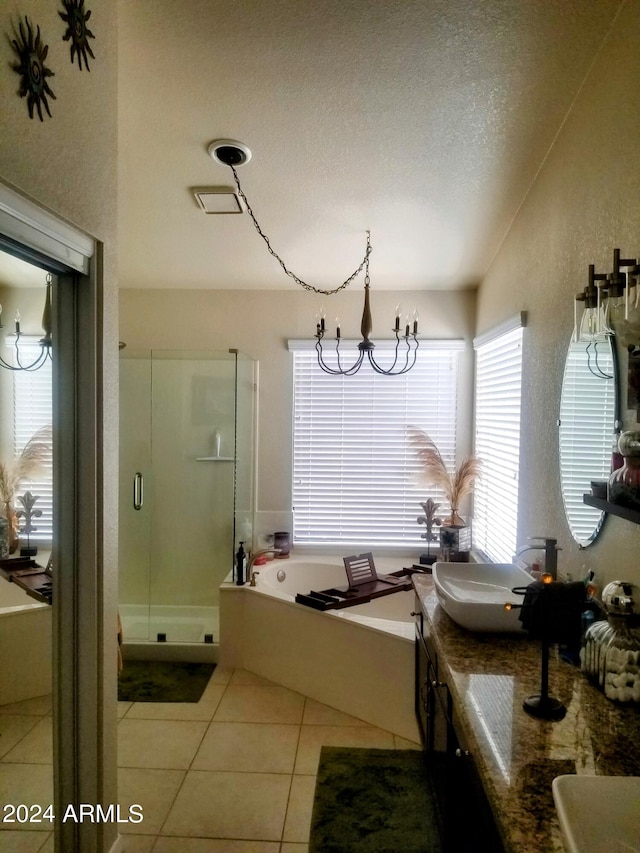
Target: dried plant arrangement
<point>36,452</point>
<point>455,485</point>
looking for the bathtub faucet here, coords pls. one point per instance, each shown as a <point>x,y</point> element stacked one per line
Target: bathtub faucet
<point>251,575</point>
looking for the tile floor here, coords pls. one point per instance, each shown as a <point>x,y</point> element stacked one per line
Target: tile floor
<point>233,773</point>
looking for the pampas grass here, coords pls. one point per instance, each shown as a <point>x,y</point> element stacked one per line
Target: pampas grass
<point>36,452</point>
<point>455,485</point>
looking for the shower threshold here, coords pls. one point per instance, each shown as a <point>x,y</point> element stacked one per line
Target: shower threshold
<point>170,632</point>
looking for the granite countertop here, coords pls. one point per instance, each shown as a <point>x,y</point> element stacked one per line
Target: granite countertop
<point>516,755</point>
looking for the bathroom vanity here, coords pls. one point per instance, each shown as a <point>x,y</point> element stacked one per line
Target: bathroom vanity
<point>492,763</point>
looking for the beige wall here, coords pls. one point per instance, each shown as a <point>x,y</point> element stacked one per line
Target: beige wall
<point>260,323</point>
<point>583,203</point>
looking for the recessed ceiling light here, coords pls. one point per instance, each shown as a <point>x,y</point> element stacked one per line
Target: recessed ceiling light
<point>218,199</point>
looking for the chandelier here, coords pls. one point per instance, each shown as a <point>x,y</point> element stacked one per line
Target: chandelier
<point>231,153</point>
<point>406,347</point>
<point>45,342</point>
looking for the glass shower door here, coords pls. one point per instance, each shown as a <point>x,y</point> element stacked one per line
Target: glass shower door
<point>135,494</point>
<point>186,488</point>
<point>193,452</point>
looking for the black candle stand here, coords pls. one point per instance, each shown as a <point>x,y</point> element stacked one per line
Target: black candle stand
<point>542,705</point>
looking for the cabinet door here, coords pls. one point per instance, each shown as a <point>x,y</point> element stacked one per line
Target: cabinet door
<point>465,795</point>
<point>421,691</point>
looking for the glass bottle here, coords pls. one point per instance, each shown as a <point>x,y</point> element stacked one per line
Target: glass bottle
<point>624,483</point>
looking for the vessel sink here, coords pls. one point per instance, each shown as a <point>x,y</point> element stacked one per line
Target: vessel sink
<point>474,594</point>
<point>598,813</point>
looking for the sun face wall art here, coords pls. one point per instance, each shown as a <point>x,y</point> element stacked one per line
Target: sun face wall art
<point>32,53</point>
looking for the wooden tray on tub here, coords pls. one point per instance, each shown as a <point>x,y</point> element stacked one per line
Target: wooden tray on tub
<point>364,584</point>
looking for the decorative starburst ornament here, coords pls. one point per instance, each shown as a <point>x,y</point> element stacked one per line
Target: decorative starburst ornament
<point>78,31</point>
<point>32,70</point>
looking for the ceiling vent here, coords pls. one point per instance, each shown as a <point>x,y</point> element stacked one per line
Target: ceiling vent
<point>218,199</point>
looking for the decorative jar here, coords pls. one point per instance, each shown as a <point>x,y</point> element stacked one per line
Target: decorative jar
<point>611,650</point>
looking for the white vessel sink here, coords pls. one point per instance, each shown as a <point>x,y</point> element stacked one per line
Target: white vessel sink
<point>474,594</point>
<point>598,813</point>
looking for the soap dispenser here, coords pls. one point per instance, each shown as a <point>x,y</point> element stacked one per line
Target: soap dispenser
<point>241,559</point>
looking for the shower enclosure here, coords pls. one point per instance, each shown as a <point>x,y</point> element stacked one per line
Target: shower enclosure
<point>186,494</point>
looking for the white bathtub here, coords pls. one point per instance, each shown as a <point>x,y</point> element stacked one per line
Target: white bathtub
<point>25,645</point>
<point>359,659</point>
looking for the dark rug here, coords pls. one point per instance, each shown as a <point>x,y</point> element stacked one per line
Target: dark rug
<point>163,681</point>
<point>373,801</point>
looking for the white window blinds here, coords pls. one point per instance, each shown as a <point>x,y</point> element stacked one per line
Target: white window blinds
<point>354,475</point>
<point>497,439</point>
<point>32,410</point>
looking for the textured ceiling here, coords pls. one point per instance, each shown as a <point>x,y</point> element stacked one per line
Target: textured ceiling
<point>424,121</point>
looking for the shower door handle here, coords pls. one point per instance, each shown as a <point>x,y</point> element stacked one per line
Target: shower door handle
<point>138,491</point>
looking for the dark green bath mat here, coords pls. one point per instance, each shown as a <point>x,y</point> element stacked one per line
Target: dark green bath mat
<point>373,801</point>
<point>163,681</point>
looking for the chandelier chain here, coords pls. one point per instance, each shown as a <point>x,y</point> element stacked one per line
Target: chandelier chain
<point>292,275</point>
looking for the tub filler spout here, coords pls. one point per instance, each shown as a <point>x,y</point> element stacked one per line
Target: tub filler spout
<point>251,574</point>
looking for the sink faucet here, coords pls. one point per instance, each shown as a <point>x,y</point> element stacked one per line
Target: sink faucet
<point>251,574</point>
<point>550,548</point>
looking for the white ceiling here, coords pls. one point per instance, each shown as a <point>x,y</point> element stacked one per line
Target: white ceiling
<point>424,121</point>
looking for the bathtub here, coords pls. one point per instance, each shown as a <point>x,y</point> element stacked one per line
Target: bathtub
<point>359,660</point>
<point>25,645</point>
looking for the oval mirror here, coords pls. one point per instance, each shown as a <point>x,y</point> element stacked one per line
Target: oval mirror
<point>588,420</point>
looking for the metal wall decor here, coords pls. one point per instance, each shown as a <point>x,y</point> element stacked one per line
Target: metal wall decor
<point>32,70</point>
<point>78,32</point>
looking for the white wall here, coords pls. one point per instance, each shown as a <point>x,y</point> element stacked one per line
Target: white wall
<point>583,203</point>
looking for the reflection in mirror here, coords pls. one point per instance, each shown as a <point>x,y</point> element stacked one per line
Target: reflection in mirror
<point>588,413</point>
<point>26,757</point>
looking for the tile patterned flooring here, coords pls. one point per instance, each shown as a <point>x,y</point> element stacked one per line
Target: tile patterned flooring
<point>233,773</point>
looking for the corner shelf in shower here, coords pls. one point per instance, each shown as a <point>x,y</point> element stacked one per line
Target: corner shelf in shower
<point>613,509</point>
<point>215,459</point>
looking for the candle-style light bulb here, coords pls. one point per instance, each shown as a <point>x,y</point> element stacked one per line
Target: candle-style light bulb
<point>323,317</point>
<point>415,321</point>
<point>397,327</point>
<point>338,328</point>
<point>0,316</point>
<point>406,331</point>
<point>17,322</point>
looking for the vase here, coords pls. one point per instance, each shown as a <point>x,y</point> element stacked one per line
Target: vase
<point>12,518</point>
<point>624,483</point>
<point>454,520</point>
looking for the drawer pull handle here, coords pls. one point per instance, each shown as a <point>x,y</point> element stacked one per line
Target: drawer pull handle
<point>414,613</point>
<point>436,683</point>
<point>462,753</point>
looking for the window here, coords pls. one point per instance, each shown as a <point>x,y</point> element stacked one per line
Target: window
<point>497,439</point>
<point>31,411</point>
<point>354,474</point>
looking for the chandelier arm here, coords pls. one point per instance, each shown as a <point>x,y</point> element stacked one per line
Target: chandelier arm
<point>390,371</point>
<point>339,371</point>
<point>288,272</point>
<point>36,364</point>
